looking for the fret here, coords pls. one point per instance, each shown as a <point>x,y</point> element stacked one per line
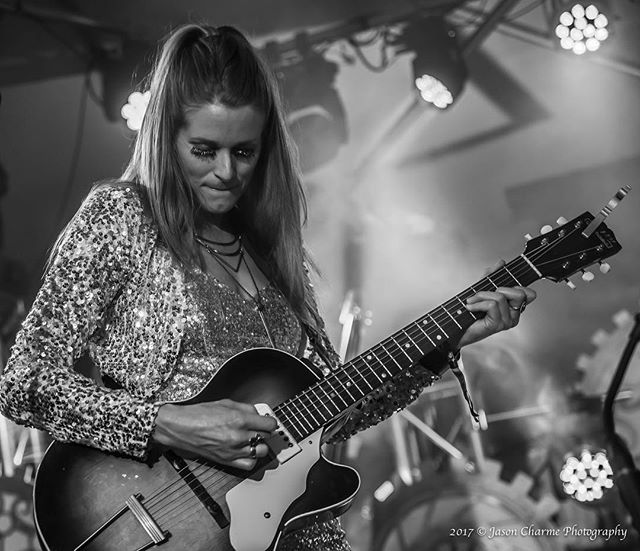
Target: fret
<point>333,394</point>
<point>372,356</point>
<point>464,305</point>
<point>402,349</point>
<point>321,402</point>
<point>451,316</point>
<point>425,334</point>
<point>413,342</point>
<point>438,337</point>
<point>344,386</point>
<point>301,416</point>
<point>346,372</point>
<point>299,400</point>
<point>390,355</point>
<point>295,418</point>
<point>488,278</point>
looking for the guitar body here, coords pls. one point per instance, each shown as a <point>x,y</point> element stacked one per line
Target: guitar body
<point>79,491</point>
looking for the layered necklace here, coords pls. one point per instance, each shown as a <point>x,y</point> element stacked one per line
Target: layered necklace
<point>231,260</point>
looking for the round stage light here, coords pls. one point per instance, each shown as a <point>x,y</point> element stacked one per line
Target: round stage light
<point>582,29</point>
<point>133,111</point>
<point>586,478</point>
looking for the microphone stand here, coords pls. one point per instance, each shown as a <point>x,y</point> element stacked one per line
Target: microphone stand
<point>626,474</point>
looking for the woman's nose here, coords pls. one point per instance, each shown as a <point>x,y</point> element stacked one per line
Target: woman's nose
<point>224,167</point>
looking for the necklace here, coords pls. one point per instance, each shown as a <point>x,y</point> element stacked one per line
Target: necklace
<point>233,273</point>
<point>220,255</point>
<point>236,239</point>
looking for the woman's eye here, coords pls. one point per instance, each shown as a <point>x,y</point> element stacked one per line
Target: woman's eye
<point>245,153</point>
<point>202,153</point>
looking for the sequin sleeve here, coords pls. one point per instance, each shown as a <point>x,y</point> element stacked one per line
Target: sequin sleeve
<point>394,396</point>
<point>39,387</point>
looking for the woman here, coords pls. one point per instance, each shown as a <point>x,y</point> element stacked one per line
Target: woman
<point>194,255</point>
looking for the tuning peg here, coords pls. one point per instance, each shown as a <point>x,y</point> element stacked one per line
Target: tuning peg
<point>561,221</point>
<point>545,229</point>
<point>528,236</point>
<point>587,276</point>
<point>605,267</point>
<point>570,284</point>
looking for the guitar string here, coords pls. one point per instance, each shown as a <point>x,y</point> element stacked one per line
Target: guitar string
<point>497,275</point>
<point>413,330</point>
<point>515,273</point>
<point>388,345</point>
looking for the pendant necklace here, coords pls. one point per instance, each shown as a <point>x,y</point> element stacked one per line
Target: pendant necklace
<point>232,271</point>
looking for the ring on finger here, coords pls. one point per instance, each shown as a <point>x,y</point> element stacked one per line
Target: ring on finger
<point>255,440</point>
<point>252,451</point>
<point>519,308</point>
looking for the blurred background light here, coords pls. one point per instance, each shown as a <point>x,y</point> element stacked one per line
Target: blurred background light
<point>587,476</point>
<point>582,29</point>
<point>438,67</point>
<point>133,111</point>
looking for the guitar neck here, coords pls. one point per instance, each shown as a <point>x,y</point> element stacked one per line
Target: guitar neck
<point>325,401</point>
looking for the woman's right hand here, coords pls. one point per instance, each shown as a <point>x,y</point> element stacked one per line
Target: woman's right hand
<point>219,431</point>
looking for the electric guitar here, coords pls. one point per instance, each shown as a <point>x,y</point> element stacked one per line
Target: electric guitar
<point>85,499</point>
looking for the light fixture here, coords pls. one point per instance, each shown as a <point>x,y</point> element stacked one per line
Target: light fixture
<point>314,111</point>
<point>582,29</point>
<point>587,475</point>
<point>438,67</point>
<point>133,111</point>
<point>123,66</point>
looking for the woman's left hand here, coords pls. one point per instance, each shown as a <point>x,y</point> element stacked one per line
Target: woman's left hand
<point>502,309</point>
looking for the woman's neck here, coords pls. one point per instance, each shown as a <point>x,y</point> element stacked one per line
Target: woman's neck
<point>216,227</point>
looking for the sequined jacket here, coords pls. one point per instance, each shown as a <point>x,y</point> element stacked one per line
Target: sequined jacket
<point>114,291</point>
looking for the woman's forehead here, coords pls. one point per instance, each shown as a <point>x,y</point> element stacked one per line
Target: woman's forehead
<point>218,122</point>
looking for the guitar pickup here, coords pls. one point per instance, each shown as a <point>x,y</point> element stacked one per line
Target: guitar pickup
<point>281,442</point>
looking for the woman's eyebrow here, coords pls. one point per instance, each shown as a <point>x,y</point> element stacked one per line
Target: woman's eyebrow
<point>215,144</point>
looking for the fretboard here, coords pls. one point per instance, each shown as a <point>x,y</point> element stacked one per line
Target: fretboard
<point>344,387</point>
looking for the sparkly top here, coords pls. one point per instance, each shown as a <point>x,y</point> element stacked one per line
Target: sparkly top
<point>113,290</point>
<point>220,324</point>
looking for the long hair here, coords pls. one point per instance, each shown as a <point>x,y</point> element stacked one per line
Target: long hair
<point>200,64</point>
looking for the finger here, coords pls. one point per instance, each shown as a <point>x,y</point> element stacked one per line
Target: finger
<point>515,296</point>
<point>244,463</point>
<point>495,267</point>
<point>261,450</point>
<point>251,419</point>
<point>488,299</point>
<point>496,318</point>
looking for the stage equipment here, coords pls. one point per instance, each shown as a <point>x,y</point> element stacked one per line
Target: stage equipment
<point>581,29</point>
<point>460,510</point>
<point>587,475</point>
<point>438,67</point>
<point>133,110</point>
<point>315,113</point>
<point>123,66</point>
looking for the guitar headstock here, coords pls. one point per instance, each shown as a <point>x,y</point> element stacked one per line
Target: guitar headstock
<point>561,252</point>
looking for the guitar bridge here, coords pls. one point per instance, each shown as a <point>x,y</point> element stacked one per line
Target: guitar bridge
<point>281,442</point>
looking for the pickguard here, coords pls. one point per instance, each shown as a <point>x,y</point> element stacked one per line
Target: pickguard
<point>257,506</point>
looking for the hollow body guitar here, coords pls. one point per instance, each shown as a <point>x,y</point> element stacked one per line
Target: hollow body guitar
<point>85,499</point>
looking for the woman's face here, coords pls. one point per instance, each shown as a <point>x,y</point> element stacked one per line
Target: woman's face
<point>218,148</point>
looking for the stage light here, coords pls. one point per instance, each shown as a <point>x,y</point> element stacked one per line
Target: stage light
<point>587,476</point>
<point>314,111</point>
<point>133,110</point>
<point>123,66</point>
<point>438,67</point>
<point>582,29</point>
